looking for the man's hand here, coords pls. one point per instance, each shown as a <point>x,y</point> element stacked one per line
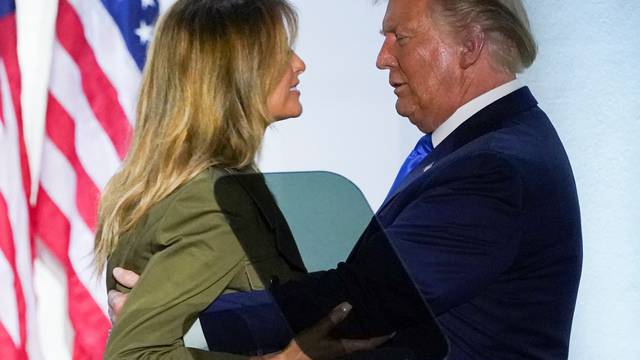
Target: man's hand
<point>315,342</point>
<point>117,299</point>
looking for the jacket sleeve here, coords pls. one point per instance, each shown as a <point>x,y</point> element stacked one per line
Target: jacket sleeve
<point>462,230</point>
<point>197,255</point>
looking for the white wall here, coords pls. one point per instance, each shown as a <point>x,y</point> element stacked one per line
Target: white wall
<point>586,78</point>
<point>349,125</point>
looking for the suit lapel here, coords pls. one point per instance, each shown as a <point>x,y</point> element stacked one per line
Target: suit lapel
<point>425,165</point>
<point>483,122</point>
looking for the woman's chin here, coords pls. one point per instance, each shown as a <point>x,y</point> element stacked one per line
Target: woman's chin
<point>289,115</point>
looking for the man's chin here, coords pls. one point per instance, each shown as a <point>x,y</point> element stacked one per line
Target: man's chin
<point>407,112</point>
<point>411,114</point>
<point>402,110</point>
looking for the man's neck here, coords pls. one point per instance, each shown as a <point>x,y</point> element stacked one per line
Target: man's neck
<point>472,87</point>
<point>476,86</point>
<point>470,108</point>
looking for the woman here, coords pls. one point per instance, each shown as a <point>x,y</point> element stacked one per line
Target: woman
<point>218,73</point>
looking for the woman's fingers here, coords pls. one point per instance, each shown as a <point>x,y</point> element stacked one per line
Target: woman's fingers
<point>351,346</point>
<point>339,313</point>
<point>316,343</point>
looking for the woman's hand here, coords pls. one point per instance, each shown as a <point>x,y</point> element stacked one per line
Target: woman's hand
<point>315,343</point>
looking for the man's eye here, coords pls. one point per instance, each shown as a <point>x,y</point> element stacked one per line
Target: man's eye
<point>401,39</point>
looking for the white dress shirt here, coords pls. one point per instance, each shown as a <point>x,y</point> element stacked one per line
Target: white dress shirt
<point>469,109</point>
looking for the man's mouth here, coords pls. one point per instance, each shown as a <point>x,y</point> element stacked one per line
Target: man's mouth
<point>397,87</point>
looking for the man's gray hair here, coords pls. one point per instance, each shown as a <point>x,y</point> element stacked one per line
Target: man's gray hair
<point>505,25</point>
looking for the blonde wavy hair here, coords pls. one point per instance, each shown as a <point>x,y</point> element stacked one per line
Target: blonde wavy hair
<point>203,102</point>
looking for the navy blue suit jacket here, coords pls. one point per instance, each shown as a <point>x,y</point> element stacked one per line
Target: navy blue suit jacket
<point>488,227</point>
<point>491,234</point>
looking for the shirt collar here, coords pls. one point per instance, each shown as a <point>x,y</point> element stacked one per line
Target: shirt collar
<point>469,109</point>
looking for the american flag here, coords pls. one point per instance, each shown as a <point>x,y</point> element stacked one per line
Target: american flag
<point>98,54</point>
<point>18,329</point>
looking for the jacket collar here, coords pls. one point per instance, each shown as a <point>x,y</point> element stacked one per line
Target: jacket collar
<point>487,120</point>
<point>483,122</point>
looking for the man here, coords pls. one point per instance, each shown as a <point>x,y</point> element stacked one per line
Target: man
<point>484,213</point>
<point>489,222</point>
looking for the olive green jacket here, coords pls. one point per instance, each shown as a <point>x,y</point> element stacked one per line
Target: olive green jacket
<point>215,234</point>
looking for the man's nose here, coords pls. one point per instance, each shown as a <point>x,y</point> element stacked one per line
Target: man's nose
<point>385,59</point>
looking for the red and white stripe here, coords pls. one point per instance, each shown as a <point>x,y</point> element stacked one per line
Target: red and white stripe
<point>18,328</point>
<point>92,93</point>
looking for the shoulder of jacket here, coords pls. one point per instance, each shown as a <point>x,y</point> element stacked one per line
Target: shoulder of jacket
<point>195,193</point>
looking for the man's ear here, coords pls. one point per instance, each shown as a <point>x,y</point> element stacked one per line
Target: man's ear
<point>473,43</point>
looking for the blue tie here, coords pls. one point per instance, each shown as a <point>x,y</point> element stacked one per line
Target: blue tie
<point>423,148</point>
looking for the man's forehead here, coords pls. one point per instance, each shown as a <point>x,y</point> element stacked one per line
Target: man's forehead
<point>403,13</point>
